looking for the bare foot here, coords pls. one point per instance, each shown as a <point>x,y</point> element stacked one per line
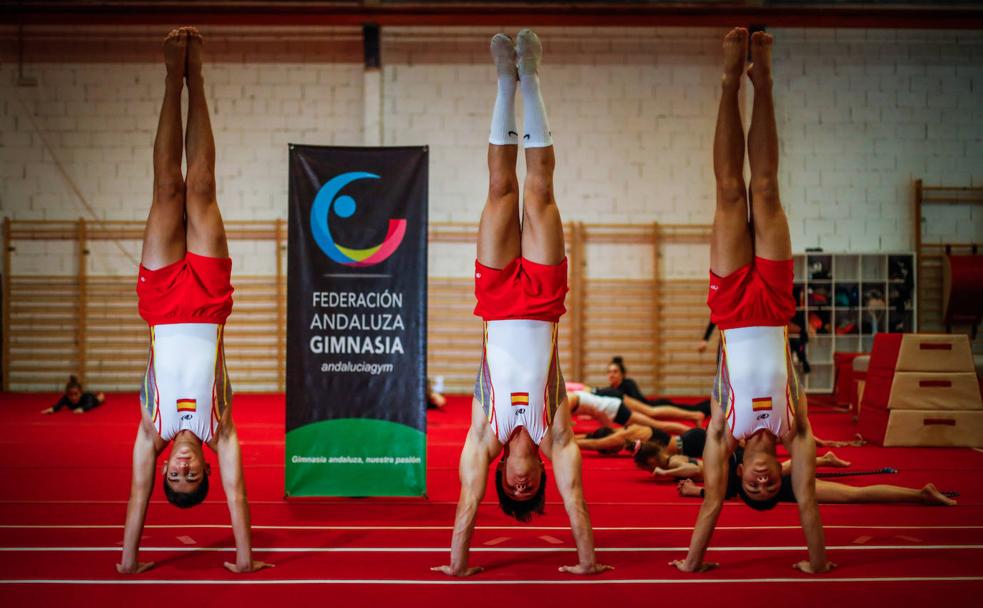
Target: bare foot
<point>735,55</point>
<point>760,69</point>
<point>195,44</point>
<point>175,51</point>
<point>829,459</point>
<point>932,496</point>
<point>686,487</point>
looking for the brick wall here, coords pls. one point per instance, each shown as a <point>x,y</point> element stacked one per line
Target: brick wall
<point>861,114</point>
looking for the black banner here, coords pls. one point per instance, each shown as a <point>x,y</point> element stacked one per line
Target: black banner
<point>356,321</point>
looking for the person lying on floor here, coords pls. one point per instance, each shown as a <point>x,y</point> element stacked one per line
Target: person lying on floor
<point>628,411</point>
<point>76,399</point>
<point>610,441</point>
<point>665,462</point>
<point>832,492</point>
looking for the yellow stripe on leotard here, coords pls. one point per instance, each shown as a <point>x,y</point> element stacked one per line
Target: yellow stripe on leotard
<point>720,376</point>
<point>481,372</point>
<point>153,349</point>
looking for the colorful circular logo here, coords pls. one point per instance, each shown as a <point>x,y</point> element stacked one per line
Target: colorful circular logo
<point>327,199</point>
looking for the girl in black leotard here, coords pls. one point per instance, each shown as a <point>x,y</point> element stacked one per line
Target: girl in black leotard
<point>635,438</point>
<point>827,492</point>
<point>76,399</point>
<point>620,385</point>
<point>686,463</point>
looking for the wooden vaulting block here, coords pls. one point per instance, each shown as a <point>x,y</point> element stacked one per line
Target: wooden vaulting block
<point>934,428</point>
<point>935,391</point>
<point>922,390</point>
<point>935,353</point>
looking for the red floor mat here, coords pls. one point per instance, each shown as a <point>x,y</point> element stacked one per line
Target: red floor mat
<point>66,477</point>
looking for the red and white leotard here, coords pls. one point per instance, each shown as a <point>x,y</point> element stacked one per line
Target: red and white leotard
<point>519,381</point>
<point>756,382</point>
<point>186,385</point>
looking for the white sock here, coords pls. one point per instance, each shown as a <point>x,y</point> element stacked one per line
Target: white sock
<point>535,125</point>
<point>504,131</point>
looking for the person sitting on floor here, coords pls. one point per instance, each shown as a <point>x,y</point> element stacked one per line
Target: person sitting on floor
<point>620,385</point>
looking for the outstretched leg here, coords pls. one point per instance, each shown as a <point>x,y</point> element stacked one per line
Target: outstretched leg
<point>663,411</point>
<point>730,242</point>
<point>832,492</point>
<point>542,228</point>
<point>771,236</point>
<point>164,234</point>
<point>498,230</point>
<point>206,232</point>
<point>668,426</point>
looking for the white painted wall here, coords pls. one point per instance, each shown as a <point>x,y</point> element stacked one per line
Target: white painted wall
<point>862,113</point>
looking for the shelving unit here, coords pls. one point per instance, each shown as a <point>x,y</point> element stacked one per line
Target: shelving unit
<point>844,299</point>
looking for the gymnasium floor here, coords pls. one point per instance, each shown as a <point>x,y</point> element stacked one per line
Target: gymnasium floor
<point>64,481</point>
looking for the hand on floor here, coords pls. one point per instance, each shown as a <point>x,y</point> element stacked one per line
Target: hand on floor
<point>138,568</point>
<point>806,567</point>
<point>582,569</point>
<point>682,566</point>
<point>458,573</point>
<point>253,567</point>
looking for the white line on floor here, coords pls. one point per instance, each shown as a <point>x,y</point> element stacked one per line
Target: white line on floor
<point>445,528</point>
<point>471,581</point>
<point>186,549</point>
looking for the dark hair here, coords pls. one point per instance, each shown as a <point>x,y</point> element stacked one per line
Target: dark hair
<point>73,382</point>
<point>600,433</point>
<point>660,436</point>
<point>521,510</point>
<point>758,505</point>
<point>646,451</point>
<point>186,500</point>
<point>620,362</point>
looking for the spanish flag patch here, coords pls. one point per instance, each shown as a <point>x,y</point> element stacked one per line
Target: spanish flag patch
<point>520,399</point>
<point>187,405</point>
<point>761,404</point>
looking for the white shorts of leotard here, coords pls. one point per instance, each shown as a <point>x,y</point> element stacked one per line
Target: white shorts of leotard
<point>756,382</point>
<point>598,407</point>
<point>519,382</point>
<point>186,386</point>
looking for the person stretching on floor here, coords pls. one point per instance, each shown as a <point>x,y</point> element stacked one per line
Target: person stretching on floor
<point>76,399</point>
<point>832,492</point>
<point>622,410</point>
<point>666,461</point>
<point>185,297</point>
<point>756,396</point>
<point>619,385</point>
<point>520,284</point>
<point>689,444</point>
<point>631,438</point>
